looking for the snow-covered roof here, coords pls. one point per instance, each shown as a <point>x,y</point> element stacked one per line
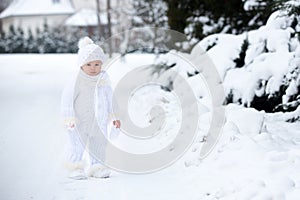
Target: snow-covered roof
<point>86,17</point>
<point>37,7</point>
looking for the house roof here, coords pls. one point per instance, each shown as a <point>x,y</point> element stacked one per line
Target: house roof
<point>37,7</point>
<point>86,17</point>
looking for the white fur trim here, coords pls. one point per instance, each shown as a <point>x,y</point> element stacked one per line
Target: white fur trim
<point>72,166</point>
<point>68,121</point>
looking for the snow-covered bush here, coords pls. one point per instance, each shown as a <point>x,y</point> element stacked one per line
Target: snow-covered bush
<point>260,68</point>
<point>200,18</point>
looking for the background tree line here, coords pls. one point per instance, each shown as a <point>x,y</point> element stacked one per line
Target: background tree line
<point>200,18</point>
<point>195,18</point>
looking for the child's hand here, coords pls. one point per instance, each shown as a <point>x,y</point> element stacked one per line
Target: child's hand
<point>70,123</point>
<point>117,123</point>
<point>71,127</point>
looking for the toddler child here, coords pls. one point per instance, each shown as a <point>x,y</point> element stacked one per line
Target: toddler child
<point>87,110</point>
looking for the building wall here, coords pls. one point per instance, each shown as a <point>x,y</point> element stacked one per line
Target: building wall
<point>88,4</point>
<point>32,22</point>
<point>120,20</point>
<point>91,4</point>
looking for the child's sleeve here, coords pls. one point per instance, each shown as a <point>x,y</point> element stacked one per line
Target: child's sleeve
<point>67,111</point>
<point>112,107</point>
<point>111,112</point>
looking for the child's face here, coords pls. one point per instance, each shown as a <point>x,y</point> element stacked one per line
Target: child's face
<point>92,68</point>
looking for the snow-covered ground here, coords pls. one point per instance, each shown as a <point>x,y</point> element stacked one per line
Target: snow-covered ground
<point>257,156</point>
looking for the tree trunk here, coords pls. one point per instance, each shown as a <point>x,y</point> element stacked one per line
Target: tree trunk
<point>98,18</point>
<point>109,28</point>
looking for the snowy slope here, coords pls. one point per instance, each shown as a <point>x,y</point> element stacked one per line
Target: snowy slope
<point>257,156</point>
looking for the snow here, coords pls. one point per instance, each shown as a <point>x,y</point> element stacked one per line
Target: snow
<point>86,17</point>
<point>247,121</point>
<point>291,90</point>
<point>257,153</point>
<point>37,7</point>
<point>278,20</point>
<point>250,4</point>
<point>225,48</point>
<point>270,58</point>
<point>236,81</point>
<point>257,156</point>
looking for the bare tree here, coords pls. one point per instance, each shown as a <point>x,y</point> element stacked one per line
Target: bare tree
<point>3,5</point>
<point>109,27</point>
<point>98,18</point>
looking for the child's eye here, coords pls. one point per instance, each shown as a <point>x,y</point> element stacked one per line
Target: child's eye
<point>96,64</point>
<point>88,64</point>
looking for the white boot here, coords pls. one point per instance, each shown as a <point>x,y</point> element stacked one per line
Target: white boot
<point>99,171</point>
<point>77,174</point>
<point>103,173</point>
<point>76,170</point>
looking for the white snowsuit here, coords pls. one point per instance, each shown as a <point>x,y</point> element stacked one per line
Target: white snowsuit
<point>87,103</point>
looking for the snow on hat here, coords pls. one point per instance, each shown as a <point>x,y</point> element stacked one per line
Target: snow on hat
<point>89,51</point>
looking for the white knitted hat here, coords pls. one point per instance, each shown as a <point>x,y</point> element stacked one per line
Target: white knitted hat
<point>89,51</point>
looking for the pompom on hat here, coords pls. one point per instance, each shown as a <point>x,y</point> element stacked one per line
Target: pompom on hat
<point>89,51</point>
